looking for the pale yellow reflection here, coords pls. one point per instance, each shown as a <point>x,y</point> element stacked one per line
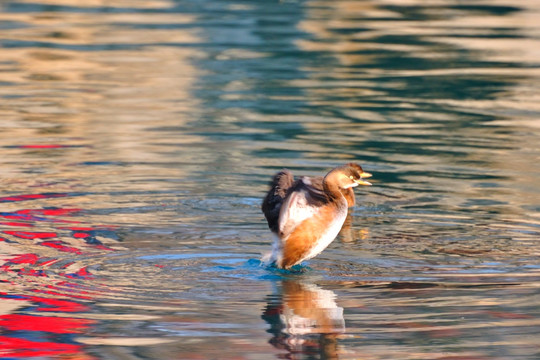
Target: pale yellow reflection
<point>123,341</point>
<point>9,306</point>
<point>145,4</point>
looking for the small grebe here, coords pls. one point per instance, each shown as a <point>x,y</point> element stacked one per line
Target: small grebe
<point>307,214</point>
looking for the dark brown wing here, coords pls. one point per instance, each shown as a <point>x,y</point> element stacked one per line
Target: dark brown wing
<point>279,187</point>
<point>282,184</point>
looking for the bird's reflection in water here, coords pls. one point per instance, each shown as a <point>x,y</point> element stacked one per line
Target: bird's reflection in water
<point>348,234</point>
<point>305,320</point>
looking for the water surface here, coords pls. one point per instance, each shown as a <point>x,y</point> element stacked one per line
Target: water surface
<point>138,138</point>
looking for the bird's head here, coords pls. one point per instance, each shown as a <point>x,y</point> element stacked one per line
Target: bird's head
<point>348,176</point>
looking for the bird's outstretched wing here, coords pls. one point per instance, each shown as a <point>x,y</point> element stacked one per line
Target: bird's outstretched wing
<point>302,202</point>
<point>271,206</point>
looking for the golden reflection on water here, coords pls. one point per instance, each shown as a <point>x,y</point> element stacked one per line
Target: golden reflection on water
<point>78,90</point>
<point>97,82</point>
<point>352,31</point>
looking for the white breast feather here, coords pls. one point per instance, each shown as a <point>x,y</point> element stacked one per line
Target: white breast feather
<point>329,235</point>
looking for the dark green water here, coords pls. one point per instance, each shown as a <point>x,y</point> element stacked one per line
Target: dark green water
<point>138,137</point>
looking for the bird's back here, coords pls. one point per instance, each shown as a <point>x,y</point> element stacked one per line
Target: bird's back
<point>281,185</point>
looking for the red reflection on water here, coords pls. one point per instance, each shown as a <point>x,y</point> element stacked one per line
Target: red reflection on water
<point>59,245</point>
<point>48,304</point>
<point>42,146</point>
<point>31,235</point>
<point>20,224</point>
<point>55,212</point>
<point>32,272</point>
<point>53,324</point>
<point>80,235</point>
<point>31,329</point>
<point>24,259</point>
<point>22,348</point>
<point>82,273</point>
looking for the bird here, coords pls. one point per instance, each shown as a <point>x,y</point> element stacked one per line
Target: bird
<point>307,214</point>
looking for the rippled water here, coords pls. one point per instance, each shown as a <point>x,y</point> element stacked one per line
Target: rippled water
<point>138,138</point>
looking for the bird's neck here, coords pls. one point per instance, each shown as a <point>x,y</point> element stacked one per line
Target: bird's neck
<point>332,189</point>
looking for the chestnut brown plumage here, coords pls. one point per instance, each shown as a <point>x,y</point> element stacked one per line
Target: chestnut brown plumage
<point>307,214</point>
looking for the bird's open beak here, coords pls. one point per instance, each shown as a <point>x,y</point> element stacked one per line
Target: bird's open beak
<point>365,175</point>
<point>361,181</point>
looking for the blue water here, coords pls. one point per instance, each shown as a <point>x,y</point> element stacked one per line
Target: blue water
<point>138,139</point>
